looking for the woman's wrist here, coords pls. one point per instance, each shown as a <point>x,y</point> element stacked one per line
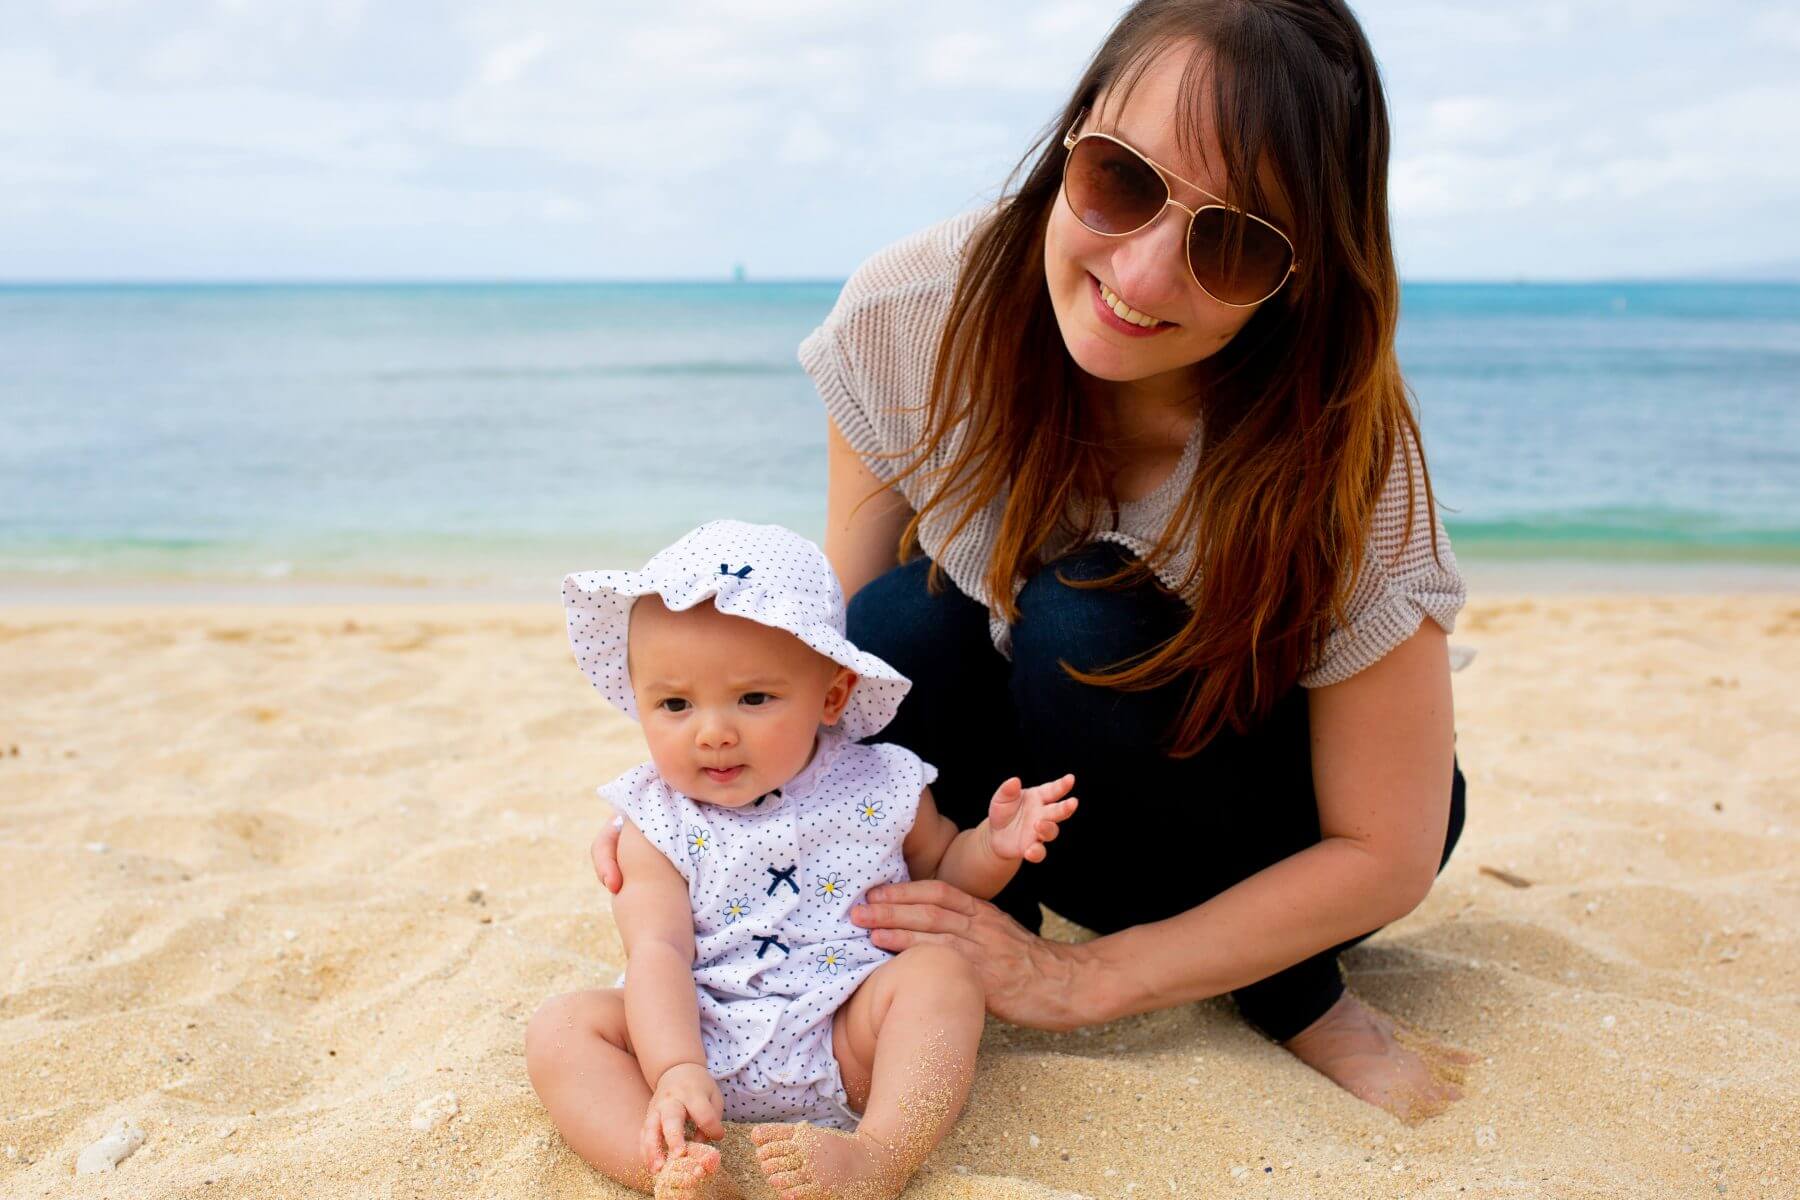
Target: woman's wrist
<point>1104,986</point>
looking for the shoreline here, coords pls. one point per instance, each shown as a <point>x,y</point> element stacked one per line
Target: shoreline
<point>1486,579</point>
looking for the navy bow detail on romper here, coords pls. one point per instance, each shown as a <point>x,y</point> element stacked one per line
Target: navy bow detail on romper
<point>766,943</point>
<point>782,877</point>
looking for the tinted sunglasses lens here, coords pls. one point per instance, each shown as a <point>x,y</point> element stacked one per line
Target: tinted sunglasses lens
<point>1110,189</point>
<point>1237,259</point>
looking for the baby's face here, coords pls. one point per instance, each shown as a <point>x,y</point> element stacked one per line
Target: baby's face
<point>730,706</point>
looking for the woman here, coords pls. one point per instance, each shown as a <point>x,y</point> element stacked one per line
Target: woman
<point>1145,414</point>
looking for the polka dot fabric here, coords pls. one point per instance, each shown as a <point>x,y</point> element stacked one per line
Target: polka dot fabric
<point>766,573</point>
<point>772,885</point>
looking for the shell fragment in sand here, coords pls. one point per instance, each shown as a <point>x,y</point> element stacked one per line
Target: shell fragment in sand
<point>113,1148</point>
<point>435,1111</point>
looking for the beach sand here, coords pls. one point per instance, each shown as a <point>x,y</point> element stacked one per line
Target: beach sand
<point>273,881</point>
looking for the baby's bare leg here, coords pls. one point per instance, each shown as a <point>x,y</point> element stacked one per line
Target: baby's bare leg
<point>905,1045</point>
<point>579,1057</point>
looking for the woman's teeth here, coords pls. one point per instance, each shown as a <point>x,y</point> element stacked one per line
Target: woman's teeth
<point>1124,310</point>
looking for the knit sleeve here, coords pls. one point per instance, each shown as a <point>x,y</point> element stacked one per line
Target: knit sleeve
<point>871,358</point>
<point>1408,574</point>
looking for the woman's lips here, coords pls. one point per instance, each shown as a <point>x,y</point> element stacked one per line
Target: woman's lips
<point>1112,319</point>
<point>725,775</point>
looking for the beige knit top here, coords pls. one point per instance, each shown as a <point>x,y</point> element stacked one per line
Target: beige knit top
<point>871,361</point>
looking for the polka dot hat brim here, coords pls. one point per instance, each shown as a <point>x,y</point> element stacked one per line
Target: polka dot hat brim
<point>764,573</point>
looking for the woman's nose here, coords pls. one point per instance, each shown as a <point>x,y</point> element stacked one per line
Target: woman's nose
<point>1150,267</point>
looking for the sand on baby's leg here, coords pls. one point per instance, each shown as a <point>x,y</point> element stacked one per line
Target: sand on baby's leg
<point>905,1043</point>
<point>578,1055</point>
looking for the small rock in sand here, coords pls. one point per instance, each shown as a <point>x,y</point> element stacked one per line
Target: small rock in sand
<point>114,1148</point>
<point>435,1111</point>
<point>1036,1141</point>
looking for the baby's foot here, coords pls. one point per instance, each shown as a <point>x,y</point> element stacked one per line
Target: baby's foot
<point>692,1173</point>
<point>803,1162</point>
<point>1372,1057</point>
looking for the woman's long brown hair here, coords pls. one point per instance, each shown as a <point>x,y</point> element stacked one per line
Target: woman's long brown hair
<point>1304,411</point>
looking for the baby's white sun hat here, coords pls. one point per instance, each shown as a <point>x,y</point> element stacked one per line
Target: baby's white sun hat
<point>766,573</point>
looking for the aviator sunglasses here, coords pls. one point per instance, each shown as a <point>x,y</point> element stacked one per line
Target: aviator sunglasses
<point>1235,257</point>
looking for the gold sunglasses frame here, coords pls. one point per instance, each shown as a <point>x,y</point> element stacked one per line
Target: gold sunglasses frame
<point>1070,141</point>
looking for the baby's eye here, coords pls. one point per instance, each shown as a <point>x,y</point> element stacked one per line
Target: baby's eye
<point>673,704</point>
<point>757,699</point>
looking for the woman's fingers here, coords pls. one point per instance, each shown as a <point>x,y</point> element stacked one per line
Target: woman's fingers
<point>926,891</point>
<point>928,918</point>
<point>606,856</point>
<point>905,939</point>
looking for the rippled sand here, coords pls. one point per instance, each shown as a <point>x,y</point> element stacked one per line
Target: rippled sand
<point>272,880</point>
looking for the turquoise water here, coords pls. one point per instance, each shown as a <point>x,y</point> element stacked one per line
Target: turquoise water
<point>503,432</point>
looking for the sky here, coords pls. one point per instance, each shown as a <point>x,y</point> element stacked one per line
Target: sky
<point>552,139</point>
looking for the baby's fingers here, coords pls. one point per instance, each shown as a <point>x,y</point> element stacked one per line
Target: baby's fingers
<point>707,1119</point>
<point>650,1141</point>
<point>674,1127</point>
<point>1048,793</point>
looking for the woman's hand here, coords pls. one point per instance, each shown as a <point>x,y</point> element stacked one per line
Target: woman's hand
<point>1029,981</point>
<point>606,856</point>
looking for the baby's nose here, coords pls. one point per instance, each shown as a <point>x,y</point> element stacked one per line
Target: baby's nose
<point>714,734</point>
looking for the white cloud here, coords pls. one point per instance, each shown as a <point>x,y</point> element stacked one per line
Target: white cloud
<point>1534,138</point>
<point>507,62</point>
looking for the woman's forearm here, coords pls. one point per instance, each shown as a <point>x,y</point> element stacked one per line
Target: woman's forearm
<point>1289,911</point>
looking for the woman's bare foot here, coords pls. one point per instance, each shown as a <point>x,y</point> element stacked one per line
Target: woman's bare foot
<point>804,1162</point>
<point>692,1173</point>
<point>1374,1058</point>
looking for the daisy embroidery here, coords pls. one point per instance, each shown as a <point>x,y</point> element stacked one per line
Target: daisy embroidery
<point>831,960</point>
<point>833,887</point>
<point>871,810</point>
<point>699,841</point>
<point>735,909</point>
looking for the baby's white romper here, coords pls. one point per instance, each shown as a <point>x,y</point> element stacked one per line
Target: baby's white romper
<point>772,885</point>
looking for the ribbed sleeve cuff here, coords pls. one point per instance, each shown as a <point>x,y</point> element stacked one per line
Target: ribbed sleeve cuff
<point>1369,638</point>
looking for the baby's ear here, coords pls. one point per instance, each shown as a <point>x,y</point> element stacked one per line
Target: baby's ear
<point>837,695</point>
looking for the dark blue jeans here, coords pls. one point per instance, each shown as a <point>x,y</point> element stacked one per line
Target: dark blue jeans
<point>1155,835</point>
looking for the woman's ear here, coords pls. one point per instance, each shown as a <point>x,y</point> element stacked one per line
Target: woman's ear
<point>837,696</point>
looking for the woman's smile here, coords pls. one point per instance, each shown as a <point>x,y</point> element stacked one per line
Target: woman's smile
<point>1114,313</point>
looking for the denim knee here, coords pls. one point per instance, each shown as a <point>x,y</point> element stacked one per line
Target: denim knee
<point>1091,629</point>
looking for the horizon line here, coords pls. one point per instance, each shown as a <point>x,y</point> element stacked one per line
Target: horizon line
<point>785,280</point>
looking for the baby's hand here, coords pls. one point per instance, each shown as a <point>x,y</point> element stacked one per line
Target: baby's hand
<point>1022,819</point>
<point>685,1092</point>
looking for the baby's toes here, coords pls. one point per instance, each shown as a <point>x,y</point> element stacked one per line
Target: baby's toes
<point>770,1135</point>
<point>683,1176</point>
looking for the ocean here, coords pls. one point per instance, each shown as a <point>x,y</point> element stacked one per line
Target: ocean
<point>498,435</point>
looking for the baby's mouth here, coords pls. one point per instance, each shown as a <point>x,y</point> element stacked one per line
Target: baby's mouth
<point>722,774</point>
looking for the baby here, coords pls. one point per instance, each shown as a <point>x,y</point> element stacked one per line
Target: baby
<point>756,826</point>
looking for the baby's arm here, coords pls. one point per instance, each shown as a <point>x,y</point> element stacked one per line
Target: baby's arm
<point>984,859</point>
<point>662,1016</point>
